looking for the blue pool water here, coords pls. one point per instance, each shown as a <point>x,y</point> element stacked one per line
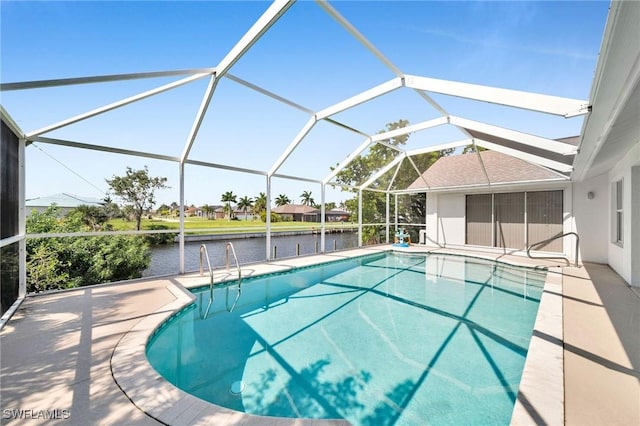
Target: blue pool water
<point>387,339</point>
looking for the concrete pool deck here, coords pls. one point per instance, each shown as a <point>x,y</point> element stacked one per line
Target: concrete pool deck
<point>60,351</point>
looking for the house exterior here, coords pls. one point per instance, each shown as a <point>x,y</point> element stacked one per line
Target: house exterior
<point>298,213</point>
<point>64,201</point>
<point>599,199</point>
<point>336,215</point>
<point>492,200</point>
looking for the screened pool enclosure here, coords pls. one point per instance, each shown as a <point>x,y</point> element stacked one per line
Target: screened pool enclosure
<point>368,127</point>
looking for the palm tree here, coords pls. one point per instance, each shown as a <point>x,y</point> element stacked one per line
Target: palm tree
<point>307,200</point>
<point>244,204</point>
<point>207,210</point>
<point>228,197</point>
<point>282,200</point>
<point>260,203</point>
<point>174,208</point>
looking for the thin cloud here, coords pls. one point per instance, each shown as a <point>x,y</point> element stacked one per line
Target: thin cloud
<point>493,44</point>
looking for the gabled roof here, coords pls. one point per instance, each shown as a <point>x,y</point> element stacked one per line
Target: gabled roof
<point>295,209</point>
<point>64,200</point>
<point>466,170</point>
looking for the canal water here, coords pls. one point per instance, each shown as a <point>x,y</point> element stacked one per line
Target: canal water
<point>166,258</point>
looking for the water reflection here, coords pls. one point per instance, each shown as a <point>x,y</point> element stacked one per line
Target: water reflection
<point>166,259</point>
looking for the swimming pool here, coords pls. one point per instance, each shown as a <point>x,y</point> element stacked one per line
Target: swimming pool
<point>382,339</point>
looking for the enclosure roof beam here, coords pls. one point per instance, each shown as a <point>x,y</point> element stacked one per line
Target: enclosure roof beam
<point>117,104</point>
<point>268,93</point>
<point>515,136</point>
<point>358,36</point>
<point>419,172</point>
<point>410,129</point>
<point>261,26</point>
<point>362,97</point>
<point>440,147</point>
<point>268,18</point>
<point>535,159</point>
<point>109,149</point>
<point>565,107</point>
<point>346,127</point>
<point>383,170</point>
<point>202,110</point>
<point>293,145</point>
<point>374,50</point>
<point>388,135</point>
<point>298,178</point>
<point>289,102</point>
<point>225,167</point>
<point>393,179</point>
<point>347,160</point>
<point>40,84</point>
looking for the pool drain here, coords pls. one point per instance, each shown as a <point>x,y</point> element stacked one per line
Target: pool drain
<point>237,387</point>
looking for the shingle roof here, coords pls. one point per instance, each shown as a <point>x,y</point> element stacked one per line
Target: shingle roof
<point>466,170</point>
<point>64,200</point>
<point>295,209</point>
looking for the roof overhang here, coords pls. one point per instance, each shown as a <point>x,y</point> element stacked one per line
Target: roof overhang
<point>613,127</point>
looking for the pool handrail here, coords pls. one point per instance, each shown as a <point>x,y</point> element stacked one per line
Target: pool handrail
<point>203,250</point>
<point>233,251</point>
<point>540,243</point>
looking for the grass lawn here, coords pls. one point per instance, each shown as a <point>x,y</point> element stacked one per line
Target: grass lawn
<point>221,225</point>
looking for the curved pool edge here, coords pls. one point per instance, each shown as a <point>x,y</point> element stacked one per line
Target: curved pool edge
<point>161,400</point>
<point>540,396</point>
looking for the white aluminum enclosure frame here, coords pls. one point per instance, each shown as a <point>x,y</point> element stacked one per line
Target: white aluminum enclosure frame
<point>423,86</point>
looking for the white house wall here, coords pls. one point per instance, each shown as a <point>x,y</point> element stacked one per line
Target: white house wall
<point>591,216</point>
<point>625,259</point>
<point>446,219</point>
<point>451,219</point>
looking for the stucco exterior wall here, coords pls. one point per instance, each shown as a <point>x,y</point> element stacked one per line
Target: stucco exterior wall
<point>624,259</point>
<point>591,217</point>
<point>451,216</point>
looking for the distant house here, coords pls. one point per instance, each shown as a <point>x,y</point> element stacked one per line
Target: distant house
<point>298,213</point>
<point>241,215</point>
<point>65,202</point>
<point>336,215</point>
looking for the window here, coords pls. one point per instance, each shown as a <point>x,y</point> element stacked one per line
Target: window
<point>479,218</point>
<point>618,213</point>
<point>515,220</point>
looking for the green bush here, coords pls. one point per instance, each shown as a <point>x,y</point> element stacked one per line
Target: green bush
<point>58,263</point>
<point>157,239</point>
<point>275,217</point>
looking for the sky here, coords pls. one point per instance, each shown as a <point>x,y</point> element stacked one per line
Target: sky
<point>545,47</point>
